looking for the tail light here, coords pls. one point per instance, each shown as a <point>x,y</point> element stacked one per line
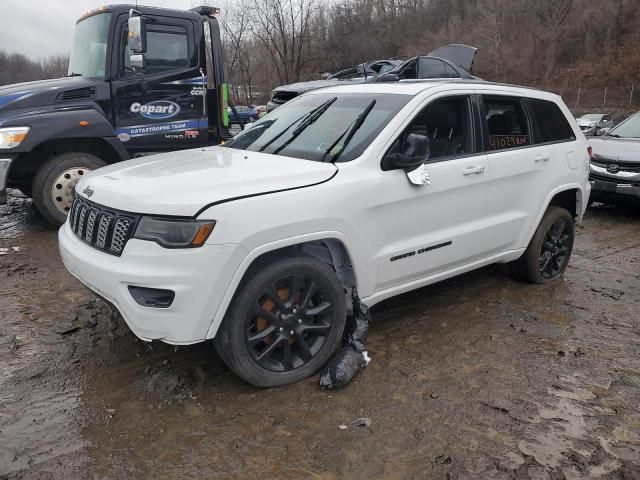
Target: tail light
<point>590,151</point>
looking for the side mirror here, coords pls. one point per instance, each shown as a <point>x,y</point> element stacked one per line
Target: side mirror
<point>415,149</point>
<point>137,38</point>
<point>137,61</point>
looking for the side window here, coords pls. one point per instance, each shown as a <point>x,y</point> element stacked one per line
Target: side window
<point>434,68</point>
<point>167,49</point>
<point>447,124</point>
<point>607,118</point>
<point>550,123</point>
<point>506,122</point>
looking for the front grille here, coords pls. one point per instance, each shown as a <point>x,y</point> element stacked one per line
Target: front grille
<point>624,166</point>
<point>105,229</point>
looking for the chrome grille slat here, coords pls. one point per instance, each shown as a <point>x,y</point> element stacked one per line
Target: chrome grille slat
<point>82,220</point>
<point>119,235</point>
<point>91,223</point>
<point>102,228</point>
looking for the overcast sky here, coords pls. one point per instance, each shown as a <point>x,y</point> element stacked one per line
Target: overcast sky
<point>39,28</point>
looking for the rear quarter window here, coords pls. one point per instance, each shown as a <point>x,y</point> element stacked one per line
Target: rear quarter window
<point>549,123</point>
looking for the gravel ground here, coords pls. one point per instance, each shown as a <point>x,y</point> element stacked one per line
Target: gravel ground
<point>476,377</point>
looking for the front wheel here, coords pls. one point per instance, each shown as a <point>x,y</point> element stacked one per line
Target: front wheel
<point>548,253</point>
<point>53,185</point>
<point>285,323</point>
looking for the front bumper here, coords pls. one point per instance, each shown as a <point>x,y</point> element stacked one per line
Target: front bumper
<point>199,277</point>
<point>5,165</point>
<point>606,184</point>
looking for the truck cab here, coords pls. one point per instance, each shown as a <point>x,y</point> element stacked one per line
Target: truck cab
<point>115,103</point>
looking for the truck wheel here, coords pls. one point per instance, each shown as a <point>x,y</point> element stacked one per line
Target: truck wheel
<point>284,324</point>
<point>548,253</point>
<point>54,183</point>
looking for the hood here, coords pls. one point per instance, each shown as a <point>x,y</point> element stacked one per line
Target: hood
<point>182,183</point>
<point>460,55</point>
<point>302,87</point>
<point>616,149</point>
<point>583,122</point>
<point>45,92</point>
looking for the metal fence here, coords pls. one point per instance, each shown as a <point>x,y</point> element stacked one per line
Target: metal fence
<point>609,97</point>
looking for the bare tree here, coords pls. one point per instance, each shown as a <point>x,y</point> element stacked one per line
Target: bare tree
<point>283,27</point>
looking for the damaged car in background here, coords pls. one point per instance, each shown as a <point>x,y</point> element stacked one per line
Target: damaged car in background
<point>451,61</point>
<point>357,74</point>
<point>595,123</point>
<point>275,244</point>
<point>615,166</point>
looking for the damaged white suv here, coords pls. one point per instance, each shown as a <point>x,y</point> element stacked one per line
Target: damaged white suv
<point>381,187</point>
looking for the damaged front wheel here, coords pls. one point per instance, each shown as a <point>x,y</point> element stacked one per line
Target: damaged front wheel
<point>285,323</point>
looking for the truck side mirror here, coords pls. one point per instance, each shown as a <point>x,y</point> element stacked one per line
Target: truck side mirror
<point>137,38</point>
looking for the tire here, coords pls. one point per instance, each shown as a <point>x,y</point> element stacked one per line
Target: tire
<point>255,347</point>
<point>549,251</point>
<point>53,207</point>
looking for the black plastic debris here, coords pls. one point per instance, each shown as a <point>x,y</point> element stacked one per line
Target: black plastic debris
<point>353,356</point>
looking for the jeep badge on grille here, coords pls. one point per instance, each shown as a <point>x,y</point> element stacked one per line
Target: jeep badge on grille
<point>88,192</point>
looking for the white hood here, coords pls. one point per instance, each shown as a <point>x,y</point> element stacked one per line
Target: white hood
<point>182,183</point>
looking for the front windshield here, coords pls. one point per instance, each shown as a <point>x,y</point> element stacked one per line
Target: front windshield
<point>591,116</point>
<point>89,53</point>
<point>630,128</point>
<point>322,127</point>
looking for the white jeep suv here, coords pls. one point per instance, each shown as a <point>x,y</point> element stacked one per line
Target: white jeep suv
<point>381,187</point>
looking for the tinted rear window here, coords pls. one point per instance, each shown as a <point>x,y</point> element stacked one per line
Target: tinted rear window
<point>550,124</point>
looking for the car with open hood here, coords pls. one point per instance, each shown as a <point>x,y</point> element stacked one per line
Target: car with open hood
<point>615,166</point>
<point>451,61</point>
<point>349,193</point>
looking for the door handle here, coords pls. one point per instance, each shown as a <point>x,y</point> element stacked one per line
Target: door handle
<point>473,170</point>
<point>543,157</point>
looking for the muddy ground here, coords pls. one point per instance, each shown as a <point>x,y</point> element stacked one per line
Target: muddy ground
<point>478,377</point>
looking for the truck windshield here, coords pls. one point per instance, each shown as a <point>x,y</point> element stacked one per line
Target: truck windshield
<point>322,127</point>
<point>89,53</point>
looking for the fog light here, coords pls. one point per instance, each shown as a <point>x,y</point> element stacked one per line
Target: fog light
<point>152,297</point>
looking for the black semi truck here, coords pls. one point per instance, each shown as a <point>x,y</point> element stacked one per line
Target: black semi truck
<point>141,80</point>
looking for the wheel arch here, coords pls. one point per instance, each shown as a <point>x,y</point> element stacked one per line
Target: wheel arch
<point>331,248</point>
<point>26,165</point>
<point>570,197</point>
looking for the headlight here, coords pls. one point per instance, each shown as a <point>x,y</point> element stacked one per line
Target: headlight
<point>174,233</point>
<point>11,137</point>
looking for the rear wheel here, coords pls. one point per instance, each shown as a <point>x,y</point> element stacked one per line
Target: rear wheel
<point>285,323</point>
<point>548,253</point>
<point>55,182</point>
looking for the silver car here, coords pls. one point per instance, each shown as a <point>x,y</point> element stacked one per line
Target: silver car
<point>595,123</point>
<point>615,162</point>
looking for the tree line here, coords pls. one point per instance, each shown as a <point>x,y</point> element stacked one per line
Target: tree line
<point>551,44</point>
<point>16,67</point>
<point>544,43</point>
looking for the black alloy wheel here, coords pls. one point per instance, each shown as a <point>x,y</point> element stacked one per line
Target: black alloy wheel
<point>549,251</point>
<point>285,322</point>
<point>289,324</point>
<point>555,250</point>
